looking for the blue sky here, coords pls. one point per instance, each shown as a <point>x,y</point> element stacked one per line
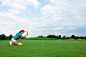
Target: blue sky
<point>43,17</point>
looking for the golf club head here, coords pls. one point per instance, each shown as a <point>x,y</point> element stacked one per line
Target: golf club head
<point>29,44</point>
<point>27,31</point>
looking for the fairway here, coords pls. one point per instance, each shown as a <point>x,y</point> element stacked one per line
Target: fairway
<point>50,48</point>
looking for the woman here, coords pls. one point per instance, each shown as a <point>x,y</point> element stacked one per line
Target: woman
<point>18,36</point>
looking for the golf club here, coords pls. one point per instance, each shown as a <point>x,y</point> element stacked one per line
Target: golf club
<point>29,40</point>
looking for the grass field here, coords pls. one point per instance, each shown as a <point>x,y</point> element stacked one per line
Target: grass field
<point>50,48</point>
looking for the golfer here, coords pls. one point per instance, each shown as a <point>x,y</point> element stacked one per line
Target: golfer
<point>18,36</point>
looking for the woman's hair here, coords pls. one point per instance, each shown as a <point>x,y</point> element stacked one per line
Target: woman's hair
<point>19,32</point>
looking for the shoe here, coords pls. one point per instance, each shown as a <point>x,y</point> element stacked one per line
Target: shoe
<point>20,44</point>
<point>10,42</point>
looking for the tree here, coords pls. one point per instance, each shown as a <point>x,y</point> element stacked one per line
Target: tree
<point>7,37</point>
<point>64,37</point>
<point>51,36</point>
<point>73,36</point>
<point>67,37</point>
<point>85,37</point>
<point>2,37</point>
<point>59,36</point>
<point>10,36</point>
<point>40,36</point>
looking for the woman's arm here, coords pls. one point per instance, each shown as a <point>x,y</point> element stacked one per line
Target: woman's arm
<point>25,35</point>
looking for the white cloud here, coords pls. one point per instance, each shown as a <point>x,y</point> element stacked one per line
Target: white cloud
<point>29,11</point>
<point>20,4</point>
<point>57,28</point>
<point>13,4</point>
<point>58,17</point>
<point>34,3</point>
<point>67,11</point>
<point>67,14</point>
<point>47,10</point>
<point>11,24</point>
<point>16,6</point>
<point>72,28</point>
<point>14,11</point>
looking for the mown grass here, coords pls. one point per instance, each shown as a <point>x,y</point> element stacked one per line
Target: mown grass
<point>39,38</point>
<point>50,48</point>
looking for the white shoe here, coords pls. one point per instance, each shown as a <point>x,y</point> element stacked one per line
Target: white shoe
<point>10,42</point>
<point>20,44</point>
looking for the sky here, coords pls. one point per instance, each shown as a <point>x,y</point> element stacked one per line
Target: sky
<point>43,17</point>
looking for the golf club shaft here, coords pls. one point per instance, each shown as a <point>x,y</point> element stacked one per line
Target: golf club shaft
<point>29,40</point>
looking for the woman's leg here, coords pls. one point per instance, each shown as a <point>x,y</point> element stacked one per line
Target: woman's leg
<point>16,43</point>
<point>19,39</point>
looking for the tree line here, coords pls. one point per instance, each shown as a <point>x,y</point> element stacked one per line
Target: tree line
<point>4,37</point>
<point>64,37</point>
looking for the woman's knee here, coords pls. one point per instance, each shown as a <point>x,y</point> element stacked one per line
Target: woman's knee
<point>16,43</point>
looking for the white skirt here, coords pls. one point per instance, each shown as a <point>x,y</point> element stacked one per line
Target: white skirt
<point>13,40</point>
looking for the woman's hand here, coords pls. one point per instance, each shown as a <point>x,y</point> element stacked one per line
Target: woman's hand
<point>27,33</point>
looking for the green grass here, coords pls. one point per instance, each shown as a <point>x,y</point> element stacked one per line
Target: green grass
<point>39,38</point>
<point>50,48</point>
